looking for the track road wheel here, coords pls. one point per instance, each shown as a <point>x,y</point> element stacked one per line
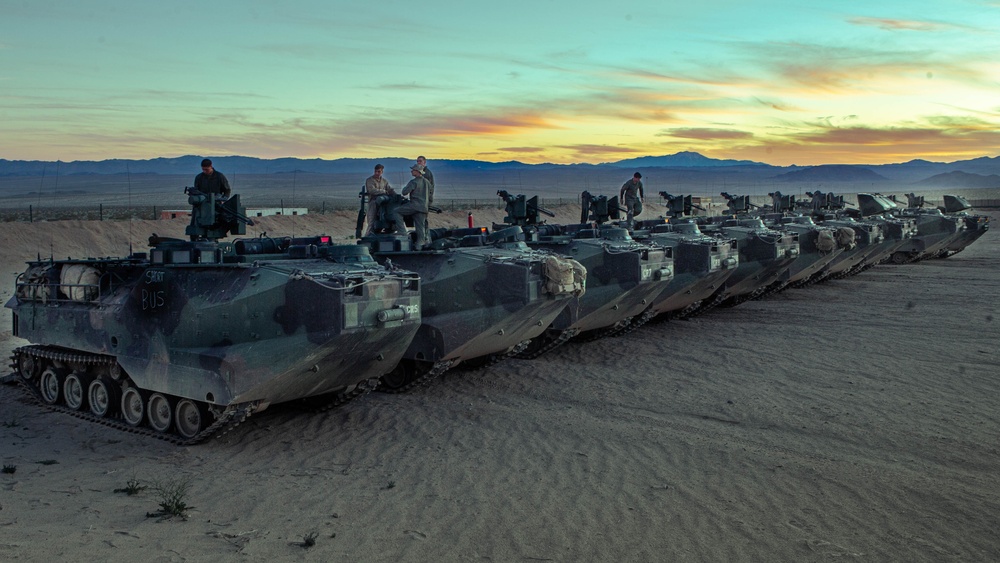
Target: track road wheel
<point>50,384</point>
<point>160,413</point>
<point>29,366</point>
<point>189,418</point>
<point>133,407</point>
<point>75,388</point>
<point>102,397</point>
<point>900,258</point>
<point>401,376</point>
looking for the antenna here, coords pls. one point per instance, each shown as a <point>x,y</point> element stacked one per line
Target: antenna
<point>128,176</point>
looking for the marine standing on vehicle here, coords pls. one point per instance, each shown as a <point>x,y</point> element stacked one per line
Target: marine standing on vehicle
<point>632,196</point>
<point>211,181</point>
<point>375,185</point>
<point>421,194</point>
<point>426,172</point>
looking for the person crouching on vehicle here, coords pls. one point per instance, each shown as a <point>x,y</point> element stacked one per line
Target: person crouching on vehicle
<point>419,190</point>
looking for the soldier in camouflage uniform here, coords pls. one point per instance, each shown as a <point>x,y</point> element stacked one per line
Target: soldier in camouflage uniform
<point>631,196</point>
<point>421,193</point>
<point>375,185</point>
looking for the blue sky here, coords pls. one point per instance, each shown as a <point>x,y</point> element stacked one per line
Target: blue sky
<point>541,81</point>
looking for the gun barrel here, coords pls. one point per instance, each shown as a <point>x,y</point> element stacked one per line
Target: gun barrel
<point>435,209</point>
<point>544,211</point>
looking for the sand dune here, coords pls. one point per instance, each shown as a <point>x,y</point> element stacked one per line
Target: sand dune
<point>854,419</point>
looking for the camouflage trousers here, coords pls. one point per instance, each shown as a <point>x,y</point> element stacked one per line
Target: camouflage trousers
<point>633,207</point>
<point>419,214</point>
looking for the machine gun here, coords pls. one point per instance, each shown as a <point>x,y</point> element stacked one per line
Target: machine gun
<point>782,203</point>
<point>362,212</point>
<point>821,201</point>
<point>739,204</point>
<point>213,217</point>
<point>600,208</point>
<point>521,211</point>
<point>914,200</point>
<point>680,205</point>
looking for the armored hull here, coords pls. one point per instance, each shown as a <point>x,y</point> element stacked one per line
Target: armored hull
<point>975,225</point>
<point>702,264</point>
<point>765,254</point>
<point>935,231</point>
<point>623,279</point>
<point>482,296</point>
<point>201,331</point>
<point>864,238</point>
<point>818,247</point>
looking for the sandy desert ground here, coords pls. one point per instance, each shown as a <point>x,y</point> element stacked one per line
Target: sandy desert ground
<point>853,420</point>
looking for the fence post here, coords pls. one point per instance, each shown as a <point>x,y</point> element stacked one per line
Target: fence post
<point>31,214</point>
<point>100,213</point>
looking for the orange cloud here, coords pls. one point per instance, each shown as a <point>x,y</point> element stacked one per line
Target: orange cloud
<point>891,24</point>
<point>586,151</point>
<point>705,133</point>
<point>853,145</point>
<point>522,149</point>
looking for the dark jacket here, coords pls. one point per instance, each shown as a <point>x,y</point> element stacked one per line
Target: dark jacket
<point>214,184</point>
<point>420,191</point>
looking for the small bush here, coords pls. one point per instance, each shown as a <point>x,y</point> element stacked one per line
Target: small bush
<point>309,539</point>
<point>132,487</point>
<point>172,499</point>
<point>9,469</point>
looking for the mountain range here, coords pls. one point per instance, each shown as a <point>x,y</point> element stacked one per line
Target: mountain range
<point>682,166</point>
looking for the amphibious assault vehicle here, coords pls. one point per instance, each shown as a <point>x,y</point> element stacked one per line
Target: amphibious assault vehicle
<point>484,295</point>
<point>765,254</point>
<point>975,225</point>
<point>623,276</point>
<point>935,231</point>
<point>702,263</point>
<point>198,334</point>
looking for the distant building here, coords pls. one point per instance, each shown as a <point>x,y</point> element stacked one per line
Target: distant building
<point>251,212</point>
<point>268,211</point>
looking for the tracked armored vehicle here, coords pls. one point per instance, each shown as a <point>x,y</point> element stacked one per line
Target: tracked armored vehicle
<point>897,230</point>
<point>818,245</point>
<point>702,263</point>
<point>975,225</point>
<point>484,295</point>
<point>862,239</point>
<point>765,254</point>
<point>935,231</point>
<point>198,334</point>
<point>623,276</point>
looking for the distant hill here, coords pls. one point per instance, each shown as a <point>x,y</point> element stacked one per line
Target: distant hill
<point>190,164</point>
<point>685,159</point>
<point>960,180</point>
<point>685,167</point>
<point>831,173</point>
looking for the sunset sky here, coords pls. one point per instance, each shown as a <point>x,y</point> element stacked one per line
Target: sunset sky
<point>781,82</point>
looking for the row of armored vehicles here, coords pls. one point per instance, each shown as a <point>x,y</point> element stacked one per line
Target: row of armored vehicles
<point>188,339</point>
